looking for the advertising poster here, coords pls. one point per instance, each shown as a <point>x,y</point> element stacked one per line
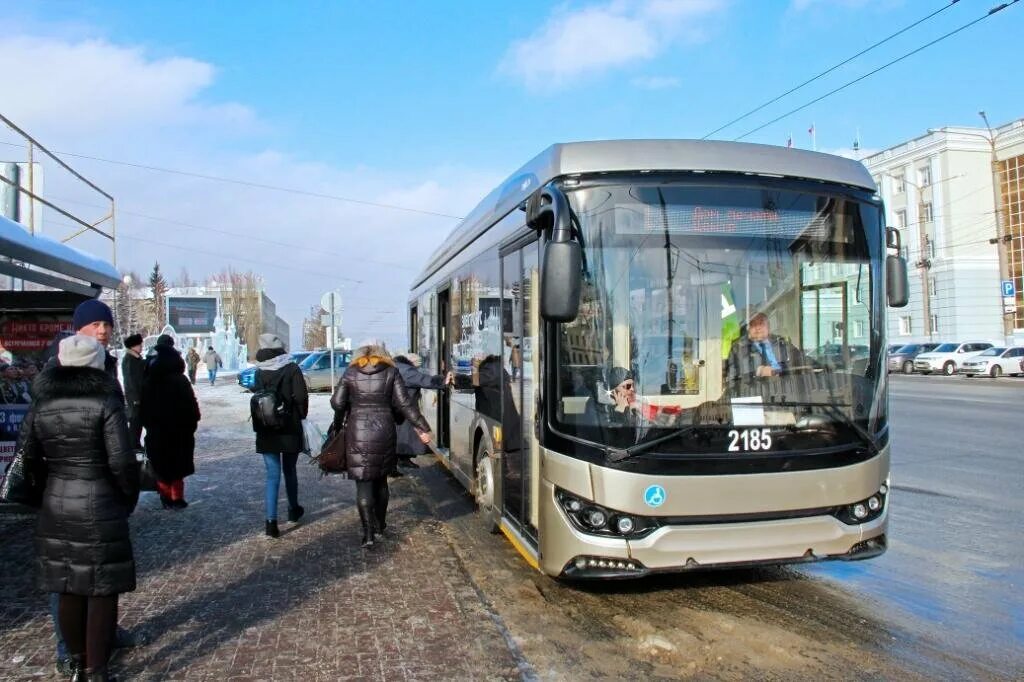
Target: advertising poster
<point>191,315</point>
<point>25,342</point>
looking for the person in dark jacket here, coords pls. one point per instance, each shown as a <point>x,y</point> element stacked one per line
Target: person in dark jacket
<point>192,363</point>
<point>370,393</point>
<point>77,425</point>
<point>132,369</point>
<point>280,447</point>
<point>408,443</point>
<point>170,415</point>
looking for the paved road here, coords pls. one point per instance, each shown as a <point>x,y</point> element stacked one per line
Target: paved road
<point>943,603</point>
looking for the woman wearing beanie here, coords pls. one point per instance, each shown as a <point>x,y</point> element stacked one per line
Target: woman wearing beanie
<point>276,371</point>
<point>83,551</point>
<point>170,415</point>
<point>370,393</point>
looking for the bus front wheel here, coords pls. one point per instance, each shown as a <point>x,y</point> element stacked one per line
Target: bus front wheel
<point>484,487</point>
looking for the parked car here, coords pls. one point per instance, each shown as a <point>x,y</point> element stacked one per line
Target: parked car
<point>902,359</point>
<point>317,368</point>
<point>247,377</point>
<point>947,357</point>
<point>834,355</point>
<point>892,348</point>
<point>994,362</point>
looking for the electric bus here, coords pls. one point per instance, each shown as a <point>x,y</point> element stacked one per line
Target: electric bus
<point>669,355</point>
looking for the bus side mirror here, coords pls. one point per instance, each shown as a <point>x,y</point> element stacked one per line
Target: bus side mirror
<point>560,280</point>
<point>896,284</point>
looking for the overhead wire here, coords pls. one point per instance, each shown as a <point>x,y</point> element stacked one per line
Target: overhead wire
<point>990,13</point>
<point>249,183</point>
<point>830,69</point>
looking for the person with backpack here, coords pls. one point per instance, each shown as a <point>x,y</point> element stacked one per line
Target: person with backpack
<point>279,404</point>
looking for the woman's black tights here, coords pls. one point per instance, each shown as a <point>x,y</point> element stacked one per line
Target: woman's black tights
<point>88,625</point>
<point>372,499</point>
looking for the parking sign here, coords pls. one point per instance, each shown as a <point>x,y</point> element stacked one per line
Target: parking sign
<point>1008,288</point>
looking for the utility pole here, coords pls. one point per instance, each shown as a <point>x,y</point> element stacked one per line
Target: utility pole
<point>1001,238</point>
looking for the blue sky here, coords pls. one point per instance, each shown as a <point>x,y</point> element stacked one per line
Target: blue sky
<point>428,105</point>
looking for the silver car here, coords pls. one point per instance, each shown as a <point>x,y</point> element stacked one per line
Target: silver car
<point>902,359</point>
<point>317,369</point>
<point>994,362</point>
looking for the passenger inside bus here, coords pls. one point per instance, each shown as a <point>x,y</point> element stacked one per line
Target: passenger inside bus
<point>759,353</point>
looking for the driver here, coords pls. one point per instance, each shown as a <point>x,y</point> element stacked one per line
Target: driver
<point>761,353</point>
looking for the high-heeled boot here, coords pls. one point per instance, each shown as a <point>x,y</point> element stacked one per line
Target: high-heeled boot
<point>77,669</point>
<point>366,520</point>
<point>380,513</point>
<point>99,675</point>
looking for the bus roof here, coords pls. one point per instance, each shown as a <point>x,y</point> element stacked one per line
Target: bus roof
<point>617,156</point>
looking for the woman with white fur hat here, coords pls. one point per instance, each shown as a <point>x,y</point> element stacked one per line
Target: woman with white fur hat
<point>77,425</point>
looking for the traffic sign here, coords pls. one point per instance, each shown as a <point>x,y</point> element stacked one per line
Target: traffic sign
<point>1009,308</point>
<point>332,299</point>
<point>1008,288</point>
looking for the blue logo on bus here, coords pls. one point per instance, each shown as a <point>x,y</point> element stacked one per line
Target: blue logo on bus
<point>654,496</point>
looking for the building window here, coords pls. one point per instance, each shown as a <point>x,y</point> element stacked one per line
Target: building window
<point>924,176</point>
<point>935,324</point>
<point>905,326</point>
<point>925,212</point>
<point>934,284</point>
<point>899,185</point>
<point>901,219</point>
<point>859,329</point>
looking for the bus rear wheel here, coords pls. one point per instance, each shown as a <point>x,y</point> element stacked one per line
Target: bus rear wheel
<point>483,488</point>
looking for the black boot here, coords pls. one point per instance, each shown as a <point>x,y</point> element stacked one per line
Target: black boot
<point>295,513</point>
<point>167,502</point>
<point>99,675</point>
<point>77,668</point>
<point>366,521</point>
<point>271,529</point>
<point>380,513</point>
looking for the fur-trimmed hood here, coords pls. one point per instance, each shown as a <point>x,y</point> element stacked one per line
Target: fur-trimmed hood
<point>74,382</point>
<point>371,364</point>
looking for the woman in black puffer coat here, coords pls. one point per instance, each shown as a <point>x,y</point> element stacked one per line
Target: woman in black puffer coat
<point>369,395</point>
<point>170,414</point>
<point>77,424</point>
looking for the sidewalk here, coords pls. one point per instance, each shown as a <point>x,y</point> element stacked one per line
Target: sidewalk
<point>224,602</point>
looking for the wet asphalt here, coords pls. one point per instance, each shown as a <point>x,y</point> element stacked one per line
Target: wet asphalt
<point>945,601</point>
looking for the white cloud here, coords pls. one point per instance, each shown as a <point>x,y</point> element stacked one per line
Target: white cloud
<point>100,87</point>
<point>100,98</point>
<point>657,82</point>
<point>581,43</point>
<point>803,5</point>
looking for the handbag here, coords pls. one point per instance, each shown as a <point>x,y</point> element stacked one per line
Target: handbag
<point>147,476</point>
<point>333,457</point>
<point>24,481</point>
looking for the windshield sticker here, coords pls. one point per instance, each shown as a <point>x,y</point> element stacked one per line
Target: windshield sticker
<point>655,496</point>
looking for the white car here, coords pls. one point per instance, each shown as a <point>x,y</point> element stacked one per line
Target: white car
<point>948,357</point>
<point>994,362</point>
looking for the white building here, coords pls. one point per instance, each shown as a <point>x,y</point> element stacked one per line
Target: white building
<point>938,190</point>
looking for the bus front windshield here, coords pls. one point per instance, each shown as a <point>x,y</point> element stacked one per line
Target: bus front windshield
<point>724,319</point>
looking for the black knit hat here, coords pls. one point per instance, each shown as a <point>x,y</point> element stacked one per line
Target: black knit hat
<point>91,311</point>
<point>165,340</point>
<point>133,340</point>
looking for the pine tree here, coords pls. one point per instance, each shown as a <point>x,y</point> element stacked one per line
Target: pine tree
<point>158,287</point>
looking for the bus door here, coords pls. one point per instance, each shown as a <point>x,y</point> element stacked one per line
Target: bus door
<point>520,380</point>
<point>444,365</point>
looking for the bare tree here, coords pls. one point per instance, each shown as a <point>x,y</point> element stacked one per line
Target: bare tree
<point>184,279</point>
<point>314,334</point>
<point>242,301</point>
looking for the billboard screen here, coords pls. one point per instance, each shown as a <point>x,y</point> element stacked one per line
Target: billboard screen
<point>191,315</point>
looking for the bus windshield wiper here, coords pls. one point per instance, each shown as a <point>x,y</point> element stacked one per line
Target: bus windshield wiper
<point>840,416</point>
<point>620,454</point>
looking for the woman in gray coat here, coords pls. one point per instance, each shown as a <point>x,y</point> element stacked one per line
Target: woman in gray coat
<point>409,444</point>
<point>77,426</point>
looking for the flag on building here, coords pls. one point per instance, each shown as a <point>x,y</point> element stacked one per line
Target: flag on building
<point>789,142</point>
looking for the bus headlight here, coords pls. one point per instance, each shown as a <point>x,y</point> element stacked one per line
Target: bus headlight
<point>864,510</point>
<point>596,519</point>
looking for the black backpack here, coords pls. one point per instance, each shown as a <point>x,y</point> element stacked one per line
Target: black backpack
<point>268,407</point>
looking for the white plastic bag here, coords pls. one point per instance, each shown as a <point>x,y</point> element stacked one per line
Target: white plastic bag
<point>313,436</point>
